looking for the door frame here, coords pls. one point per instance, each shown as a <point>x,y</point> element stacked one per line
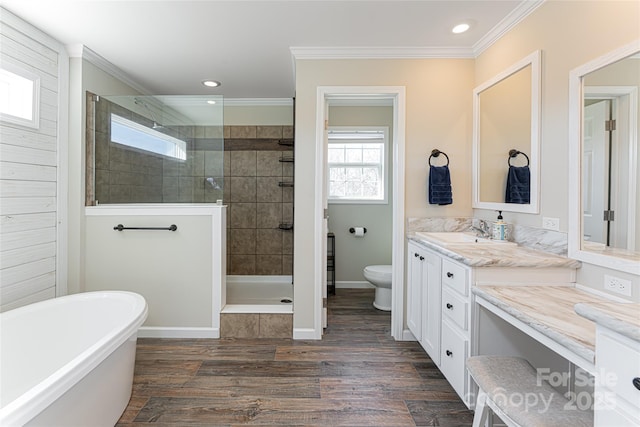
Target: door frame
<point>397,95</point>
<point>625,99</point>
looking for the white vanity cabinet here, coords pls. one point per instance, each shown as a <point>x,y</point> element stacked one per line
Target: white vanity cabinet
<point>455,306</point>
<point>618,385</point>
<point>423,298</point>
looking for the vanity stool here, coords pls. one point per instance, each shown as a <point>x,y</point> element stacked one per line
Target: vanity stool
<point>506,382</point>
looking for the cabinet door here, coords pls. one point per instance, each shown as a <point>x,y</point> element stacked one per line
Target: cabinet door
<point>431,297</point>
<point>414,291</point>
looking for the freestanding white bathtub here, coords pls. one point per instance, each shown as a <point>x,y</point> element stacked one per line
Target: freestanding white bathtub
<point>69,361</point>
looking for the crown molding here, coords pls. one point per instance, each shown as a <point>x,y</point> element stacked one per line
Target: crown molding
<point>507,23</point>
<point>82,51</point>
<point>258,102</point>
<point>379,52</point>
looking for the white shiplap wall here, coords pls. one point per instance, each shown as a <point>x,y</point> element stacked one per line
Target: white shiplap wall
<point>32,182</point>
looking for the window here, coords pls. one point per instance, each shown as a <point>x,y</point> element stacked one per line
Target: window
<point>356,165</point>
<point>132,134</point>
<point>19,96</point>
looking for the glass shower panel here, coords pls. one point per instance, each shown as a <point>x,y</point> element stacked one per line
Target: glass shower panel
<point>155,149</point>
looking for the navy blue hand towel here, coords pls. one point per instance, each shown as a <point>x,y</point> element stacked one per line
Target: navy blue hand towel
<point>518,185</point>
<point>440,185</point>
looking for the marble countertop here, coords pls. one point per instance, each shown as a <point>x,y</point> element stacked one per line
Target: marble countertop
<point>619,317</point>
<point>550,311</point>
<point>497,255</point>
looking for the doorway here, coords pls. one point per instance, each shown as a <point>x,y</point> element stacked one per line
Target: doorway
<point>396,96</point>
<point>610,167</point>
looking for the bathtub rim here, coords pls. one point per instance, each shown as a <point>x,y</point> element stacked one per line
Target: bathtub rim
<point>31,403</point>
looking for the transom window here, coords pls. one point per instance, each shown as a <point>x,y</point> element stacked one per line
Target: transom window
<point>356,165</point>
<point>135,135</point>
<point>19,95</point>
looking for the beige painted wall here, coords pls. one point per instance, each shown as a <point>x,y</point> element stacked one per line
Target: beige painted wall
<point>569,35</point>
<point>275,115</point>
<point>354,254</point>
<point>84,76</point>
<point>438,115</point>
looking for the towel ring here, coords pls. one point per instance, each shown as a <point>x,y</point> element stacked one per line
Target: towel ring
<point>436,153</point>
<point>514,153</point>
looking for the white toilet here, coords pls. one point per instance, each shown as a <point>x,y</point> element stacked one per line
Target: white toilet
<point>380,277</point>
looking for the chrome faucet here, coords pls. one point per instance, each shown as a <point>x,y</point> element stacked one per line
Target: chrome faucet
<point>482,230</point>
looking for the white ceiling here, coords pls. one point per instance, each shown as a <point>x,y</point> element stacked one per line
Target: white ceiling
<point>169,47</point>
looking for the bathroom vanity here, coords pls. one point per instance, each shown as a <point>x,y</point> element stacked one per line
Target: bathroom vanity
<point>456,282</point>
<point>441,272</point>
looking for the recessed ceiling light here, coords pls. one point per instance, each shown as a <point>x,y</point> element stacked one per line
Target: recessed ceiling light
<point>211,83</point>
<point>460,28</point>
<point>211,101</point>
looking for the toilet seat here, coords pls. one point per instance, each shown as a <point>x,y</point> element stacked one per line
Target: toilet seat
<point>379,272</point>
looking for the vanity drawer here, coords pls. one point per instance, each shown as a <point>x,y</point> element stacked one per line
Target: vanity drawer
<point>455,308</point>
<point>455,276</point>
<point>453,358</point>
<point>618,364</point>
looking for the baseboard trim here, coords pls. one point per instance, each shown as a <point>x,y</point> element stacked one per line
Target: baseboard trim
<point>353,284</point>
<point>407,336</point>
<point>177,332</point>
<point>306,334</point>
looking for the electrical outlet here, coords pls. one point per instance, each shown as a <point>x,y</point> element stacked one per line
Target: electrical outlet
<point>551,223</point>
<point>617,285</point>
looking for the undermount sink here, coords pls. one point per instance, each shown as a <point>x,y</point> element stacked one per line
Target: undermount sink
<point>460,238</point>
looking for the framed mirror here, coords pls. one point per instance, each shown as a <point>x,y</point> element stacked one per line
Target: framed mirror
<point>604,214</point>
<point>506,139</point>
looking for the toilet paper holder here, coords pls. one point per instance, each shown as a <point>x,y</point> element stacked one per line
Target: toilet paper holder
<point>353,230</point>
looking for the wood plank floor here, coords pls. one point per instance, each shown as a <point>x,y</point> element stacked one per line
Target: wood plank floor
<point>357,375</point>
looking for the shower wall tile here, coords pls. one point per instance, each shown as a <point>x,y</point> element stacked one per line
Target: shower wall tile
<point>243,163</point>
<point>242,241</point>
<point>269,215</point>
<point>243,132</point>
<point>268,265</point>
<point>287,265</point>
<point>242,215</point>
<point>269,132</point>
<point>268,241</point>
<point>239,325</point>
<point>269,190</point>
<point>243,189</point>
<point>287,242</point>
<point>214,163</point>
<point>287,212</point>
<point>268,163</point>
<point>242,264</point>
<point>287,194</point>
<point>287,132</point>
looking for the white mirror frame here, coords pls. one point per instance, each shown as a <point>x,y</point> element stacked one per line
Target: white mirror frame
<point>534,59</point>
<point>576,107</point>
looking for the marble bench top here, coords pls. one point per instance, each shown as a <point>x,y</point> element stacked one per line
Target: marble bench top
<point>550,311</point>
<point>497,255</point>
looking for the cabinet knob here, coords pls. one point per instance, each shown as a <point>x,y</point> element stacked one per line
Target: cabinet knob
<point>449,306</point>
<point>636,382</point>
<point>449,274</point>
<point>416,255</point>
<point>421,258</point>
<point>449,353</point>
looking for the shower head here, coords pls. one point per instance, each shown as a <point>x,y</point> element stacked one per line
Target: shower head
<point>155,125</point>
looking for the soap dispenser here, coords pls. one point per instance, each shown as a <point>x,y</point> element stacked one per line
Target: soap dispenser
<point>500,230</point>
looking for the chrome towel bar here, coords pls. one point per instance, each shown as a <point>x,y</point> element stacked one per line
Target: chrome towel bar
<point>121,227</point>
